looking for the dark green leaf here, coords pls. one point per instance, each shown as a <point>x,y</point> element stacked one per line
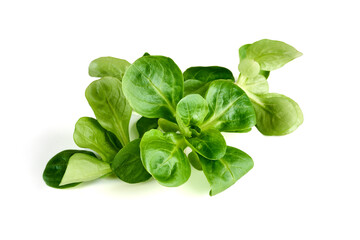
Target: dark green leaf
<point>230,108</point>
<point>163,156</point>
<point>210,144</point>
<point>71,167</point>
<point>153,86</point>
<point>191,111</point>
<point>195,161</point>
<point>127,164</point>
<point>168,126</point>
<point>207,74</point>
<point>223,173</point>
<point>144,124</point>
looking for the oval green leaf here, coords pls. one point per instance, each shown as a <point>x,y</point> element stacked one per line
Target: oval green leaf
<point>223,173</point>
<point>276,114</point>
<point>207,74</point>
<point>271,54</point>
<point>153,86</point>
<point>191,111</point>
<point>230,109</point>
<point>210,144</point>
<point>83,167</point>
<point>56,167</point>
<point>127,164</point>
<point>90,134</point>
<point>194,160</point>
<point>110,106</point>
<point>163,156</point>
<point>108,66</point>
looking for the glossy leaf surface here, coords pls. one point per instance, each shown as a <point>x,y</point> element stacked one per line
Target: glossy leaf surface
<point>168,126</point>
<point>127,164</point>
<point>83,167</point>
<point>191,111</point>
<point>230,109</point>
<point>207,74</point>
<point>210,144</point>
<point>198,79</point>
<point>56,167</point>
<point>144,124</point>
<point>108,66</point>
<point>194,160</point>
<point>110,106</point>
<point>153,86</point>
<point>90,134</point>
<point>163,156</point>
<point>276,114</point>
<point>223,173</point>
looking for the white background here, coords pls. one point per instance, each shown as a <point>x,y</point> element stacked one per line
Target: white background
<point>303,186</point>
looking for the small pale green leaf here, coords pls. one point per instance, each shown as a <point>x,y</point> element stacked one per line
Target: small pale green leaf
<point>108,66</point>
<point>230,108</point>
<point>255,85</point>
<point>153,86</point>
<point>110,106</point>
<point>249,68</point>
<point>223,173</point>
<point>90,134</point>
<point>271,54</point>
<point>163,156</point>
<point>210,144</point>
<point>83,168</point>
<point>56,167</point>
<point>276,114</point>
<point>127,164</point>
<point>144,124</point>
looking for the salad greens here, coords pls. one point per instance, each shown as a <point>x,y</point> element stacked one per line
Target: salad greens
<point>182,119</point>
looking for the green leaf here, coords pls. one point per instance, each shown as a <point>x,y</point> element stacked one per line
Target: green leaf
<point>276,114</point>
<point>110,106</point>
<point>191,111</point>
<point>194,160</point>
<point>193,86</point>
<point>198,79</point>
<point>230,109</point>
<point>127,164</point>
<point>271,54</point>
<point>207,74</point>
<point>255,85</point>
<point>83,167</point>
<point>223,173</point>
<point>168,126</point>
<point>210,144</point>
<point>153,86</point>
<point>163,156</point>
<point>56,167</point>
<point>90,134</point>
<point>144,124</point>
<point>108,66</point>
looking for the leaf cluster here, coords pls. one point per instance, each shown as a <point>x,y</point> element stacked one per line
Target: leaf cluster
<point>180,111</point>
